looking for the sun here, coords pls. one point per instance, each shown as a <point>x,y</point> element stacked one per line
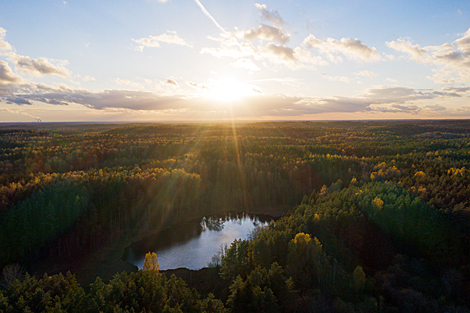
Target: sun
<point>229,89</point>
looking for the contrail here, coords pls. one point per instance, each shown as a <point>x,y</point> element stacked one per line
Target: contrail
<point>203,9</point>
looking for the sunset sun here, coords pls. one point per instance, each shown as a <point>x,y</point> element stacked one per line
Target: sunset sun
<point>235,156</point>
<point>229,89</point>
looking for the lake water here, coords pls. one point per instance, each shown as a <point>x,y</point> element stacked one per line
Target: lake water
<point>193,244</point>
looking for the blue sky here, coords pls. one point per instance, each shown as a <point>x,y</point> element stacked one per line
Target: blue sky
<point>208,60</point>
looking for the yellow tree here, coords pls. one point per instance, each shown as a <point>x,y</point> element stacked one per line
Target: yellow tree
<point>151,263</point>
<point>378,203</point>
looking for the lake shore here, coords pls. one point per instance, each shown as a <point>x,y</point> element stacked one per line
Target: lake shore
<point>107,261</point>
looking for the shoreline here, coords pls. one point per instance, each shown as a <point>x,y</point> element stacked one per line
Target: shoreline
<point>107,261</point>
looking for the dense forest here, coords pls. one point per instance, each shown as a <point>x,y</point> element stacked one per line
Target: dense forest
<point>375,215</point>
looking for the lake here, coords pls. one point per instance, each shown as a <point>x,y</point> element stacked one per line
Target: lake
<point>193,244</point>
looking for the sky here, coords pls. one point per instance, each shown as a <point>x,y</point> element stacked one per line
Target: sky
<point>219,60</point>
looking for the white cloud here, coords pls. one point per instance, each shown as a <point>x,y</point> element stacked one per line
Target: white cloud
<point>266,32</point>
<point>7,76</point>
<point>452,59</point>
<point>231,46</point>
<point>240,44</point>
<point>154,41</point>
<point>307,59</point>
<point>37,67</point>
<point>365,73</point>
<point>405,45</point>
<point>89,79</point>
<point>351,48</point>
<point>269,15</point>
<point>148,42</point>
<point>343,79</point>
<point>3,44</point>
<point>280,53</point>
<point>129,83</point>
<point>63,87</point>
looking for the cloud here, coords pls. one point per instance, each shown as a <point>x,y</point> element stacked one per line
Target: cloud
<point>382,99</point>
<point>280,52</point>
<point>246,64</point>
<point>265,32</point>
<point>154,41</point>
<point>365,73</point>
<point>405,45</point>
<point>206,13</point>
<point>24,64</point>
<point>171,82</point>
<point>231,45</point>
<point>3,44</point>
<point>37,67</point>
<point>269,15</point>
<point>334,105</point>
<point>149,41</point>
<point>17,100</point>
<point>129,83</point>
<point>89,79</point>
<point>403,100</point>
<point>307,60</point>
<point>398,94</point>
<point>117,99</point>
<point>351,48</point>
<point>452,59</point>
<point>198,86</point>
<point>457,89</point>
<point>241,45</point>
<point>7,76</point>
<point>343,79</point>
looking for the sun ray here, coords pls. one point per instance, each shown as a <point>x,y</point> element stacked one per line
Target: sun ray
<point>239,165</point>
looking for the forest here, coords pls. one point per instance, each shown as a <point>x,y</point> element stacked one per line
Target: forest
<point>374,216</point>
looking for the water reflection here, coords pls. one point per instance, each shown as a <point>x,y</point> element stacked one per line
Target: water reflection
<point>192,244</point>
<point>211,223</point>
